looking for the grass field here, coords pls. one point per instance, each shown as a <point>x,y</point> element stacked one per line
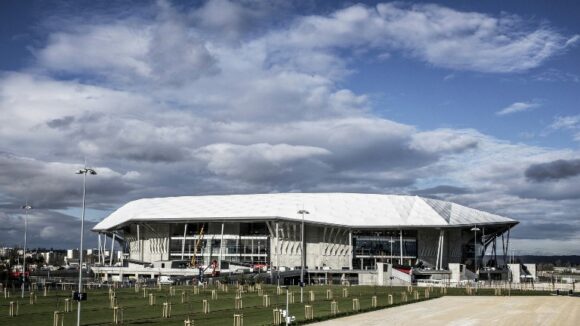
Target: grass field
<point>137,311</point>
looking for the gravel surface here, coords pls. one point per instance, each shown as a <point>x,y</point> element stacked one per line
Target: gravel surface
<point>466,311</point>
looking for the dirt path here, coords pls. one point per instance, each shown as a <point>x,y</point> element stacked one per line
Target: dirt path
<point>467,311</point>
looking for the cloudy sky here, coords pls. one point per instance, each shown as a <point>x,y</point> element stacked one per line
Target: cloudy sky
<point>473,102</point>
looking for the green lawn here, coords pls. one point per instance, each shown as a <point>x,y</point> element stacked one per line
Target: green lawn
<point>137,311</point>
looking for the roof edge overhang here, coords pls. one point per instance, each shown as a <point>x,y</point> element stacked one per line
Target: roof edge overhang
<point>510,223</point>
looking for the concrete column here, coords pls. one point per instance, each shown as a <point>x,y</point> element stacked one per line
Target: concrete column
<point>103,250</point>
<point>252,250</point>
<point>139,255</point>
<point>277,248</point>
<point>442,249</point>
<point>401,245</point>
<point>221,247</point>
<point>100,253</point>
<point>112,250</point>
<point>167,244</point>
<point>350,248</point>
<point>438,253</point>
<point>183,241</point>
<point>380,274</point>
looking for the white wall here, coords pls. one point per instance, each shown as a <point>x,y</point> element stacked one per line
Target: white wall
<point>515,271</point>
<point>457,272</point>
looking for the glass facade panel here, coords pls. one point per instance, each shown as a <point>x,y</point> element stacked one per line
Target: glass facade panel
<point>384,244</point>
<point>244,249</point>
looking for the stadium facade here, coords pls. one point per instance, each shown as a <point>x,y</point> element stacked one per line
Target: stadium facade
<point>342,232</point>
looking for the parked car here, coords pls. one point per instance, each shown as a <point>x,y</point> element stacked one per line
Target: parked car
<point>164,279</point>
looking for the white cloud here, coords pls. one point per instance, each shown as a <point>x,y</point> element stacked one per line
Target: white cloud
<point>566,122</point>
<point>263,162</point>
<point>555,75</point>
<point>55,184</point>
<point>469,41</point>
<point>449,77</point>
<point>573,40</point>
<point>437,35</point>
<point>495,172</point>
<point>173,106</point>
<point>444,141</point>
<point>178,47</point>
<point>228,20</point>
<point>60,111</point>
<point>49,232</point>
<point>569,123</point>
<point>165,51</point>
<point>112,49</point>
<point>518,107</point>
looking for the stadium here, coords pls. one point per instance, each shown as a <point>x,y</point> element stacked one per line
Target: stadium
<point>362,238</point>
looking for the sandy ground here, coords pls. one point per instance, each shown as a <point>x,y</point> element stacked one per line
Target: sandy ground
<point>467,311</point>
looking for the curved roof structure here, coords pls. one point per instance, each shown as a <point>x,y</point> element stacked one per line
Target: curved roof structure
<point>346,209</point>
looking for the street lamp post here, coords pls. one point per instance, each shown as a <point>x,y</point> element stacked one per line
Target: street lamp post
<point>26,209</point>
<point>302,256</point>
<point>84,171</point>
<point>475,229</point>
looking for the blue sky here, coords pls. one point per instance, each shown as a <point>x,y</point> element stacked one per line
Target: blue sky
<point>473,102</point>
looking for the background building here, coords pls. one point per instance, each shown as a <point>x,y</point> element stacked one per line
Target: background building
<point>343,232</point>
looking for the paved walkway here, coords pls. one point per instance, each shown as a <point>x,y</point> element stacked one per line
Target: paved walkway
<point>467,311</point>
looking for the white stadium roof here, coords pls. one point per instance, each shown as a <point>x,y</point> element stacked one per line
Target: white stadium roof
<point>347,209</point>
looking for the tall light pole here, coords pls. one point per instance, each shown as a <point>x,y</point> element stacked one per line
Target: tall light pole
<point>475,229</point>
<point>302,256</point>
<point>26,208</point>
<point>84,171</point>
